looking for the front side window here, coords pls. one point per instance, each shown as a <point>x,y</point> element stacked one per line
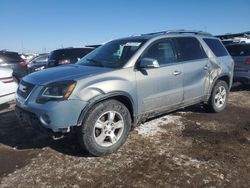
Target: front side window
<point>40,60</point>
<point>162,51</point>
<point>189,48</point>
<point>114,54</point>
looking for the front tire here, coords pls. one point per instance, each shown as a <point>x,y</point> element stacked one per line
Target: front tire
<point>219,97</point>
<point>105,128</point>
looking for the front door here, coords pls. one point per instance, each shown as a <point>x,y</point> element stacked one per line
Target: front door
<point>159,88</point>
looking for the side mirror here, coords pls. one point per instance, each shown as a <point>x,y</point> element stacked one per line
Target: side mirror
<point>149,63</point>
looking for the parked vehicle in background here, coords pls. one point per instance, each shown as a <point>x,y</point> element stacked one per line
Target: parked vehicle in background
<point>230,38</point>
<point>27,56</point>
<point>8,86</point>
<point>125,82</point>
<point>67,55</point>
<point>241,56</point>
<point>38,63</point>
<point>13,61</point>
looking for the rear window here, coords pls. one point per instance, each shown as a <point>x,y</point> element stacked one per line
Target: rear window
<point>69,53</point>
<point>10,56</point>
<point>239,50</point>
<point>216,46</point>
<point>189,48</point>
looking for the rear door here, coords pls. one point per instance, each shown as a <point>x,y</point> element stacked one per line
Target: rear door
<point>195,63</point>
<point>159,88</point>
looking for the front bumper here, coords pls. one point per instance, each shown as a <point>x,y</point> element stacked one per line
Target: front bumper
<point>57,116</point>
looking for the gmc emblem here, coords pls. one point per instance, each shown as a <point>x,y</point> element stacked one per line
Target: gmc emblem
<point>22,88</point>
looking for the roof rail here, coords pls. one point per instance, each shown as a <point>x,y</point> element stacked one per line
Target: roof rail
<point>182,31</point>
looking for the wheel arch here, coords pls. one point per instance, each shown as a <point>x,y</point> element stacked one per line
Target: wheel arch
<point>120,96</point>
<point>224,77</point>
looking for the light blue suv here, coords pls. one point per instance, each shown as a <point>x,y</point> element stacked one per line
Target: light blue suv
<point>125,82</point>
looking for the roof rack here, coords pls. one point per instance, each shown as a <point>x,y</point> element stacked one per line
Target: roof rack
<point>182,31</point>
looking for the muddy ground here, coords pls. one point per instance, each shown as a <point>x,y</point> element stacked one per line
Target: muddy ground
<point>188,148</point>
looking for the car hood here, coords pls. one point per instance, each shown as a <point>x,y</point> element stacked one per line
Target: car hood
<point>65,72</point>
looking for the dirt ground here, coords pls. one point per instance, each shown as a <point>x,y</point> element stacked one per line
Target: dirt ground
<point>188,148</point>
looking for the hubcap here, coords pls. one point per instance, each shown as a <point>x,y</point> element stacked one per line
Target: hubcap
<point>220,97</point>
<point>108,128</point>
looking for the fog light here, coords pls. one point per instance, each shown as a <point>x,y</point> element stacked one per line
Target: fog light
<point>45,119</point>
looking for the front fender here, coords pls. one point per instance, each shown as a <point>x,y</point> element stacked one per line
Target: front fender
<point>103,97</point>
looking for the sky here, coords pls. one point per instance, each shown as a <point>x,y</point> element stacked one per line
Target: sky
<point>45,25</point>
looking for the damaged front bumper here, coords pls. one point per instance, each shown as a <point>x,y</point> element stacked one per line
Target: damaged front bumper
<point>54,115</point>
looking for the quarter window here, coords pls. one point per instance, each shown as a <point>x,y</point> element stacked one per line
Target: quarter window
<point>162,51</point>
<point>216,46</point>
<point>189,48</point>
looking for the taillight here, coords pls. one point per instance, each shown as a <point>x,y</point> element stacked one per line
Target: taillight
<point>23,64</point>
<point>63,62</point>
<point>7,79</point>
<point>247,61</point>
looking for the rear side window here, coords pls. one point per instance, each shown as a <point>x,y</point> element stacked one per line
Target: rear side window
<point>78,53</point>
<point>239,50</point>
<point>69,53</point>
<point>189,48</point>
<point>216,46</point>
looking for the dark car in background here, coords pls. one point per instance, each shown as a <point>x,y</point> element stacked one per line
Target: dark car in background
<point>13,61</point>
<point>68,55</point>
<point>241,55</point>
<point>38,63</point>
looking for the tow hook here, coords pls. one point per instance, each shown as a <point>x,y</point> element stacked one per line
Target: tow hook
<point>57,136</point>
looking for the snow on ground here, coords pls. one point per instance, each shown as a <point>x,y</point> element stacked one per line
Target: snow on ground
<point>153,127</point>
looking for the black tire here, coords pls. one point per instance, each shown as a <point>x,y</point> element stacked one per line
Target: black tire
<point>86,134</point>
<point>211,106</point>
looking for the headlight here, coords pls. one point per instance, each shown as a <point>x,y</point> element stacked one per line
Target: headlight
<point>58,90</point>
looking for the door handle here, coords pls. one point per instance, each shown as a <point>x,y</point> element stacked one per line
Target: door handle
<point>176,73</point>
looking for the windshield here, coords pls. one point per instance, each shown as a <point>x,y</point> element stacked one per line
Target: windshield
<point>113,54</point>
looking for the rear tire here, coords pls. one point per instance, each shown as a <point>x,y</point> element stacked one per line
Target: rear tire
<point>105,128</point>
<point>219,97</point>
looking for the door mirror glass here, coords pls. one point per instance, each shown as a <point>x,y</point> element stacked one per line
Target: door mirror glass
<point>149,63</point>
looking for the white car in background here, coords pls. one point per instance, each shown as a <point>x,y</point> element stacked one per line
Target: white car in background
<point>8,86</point>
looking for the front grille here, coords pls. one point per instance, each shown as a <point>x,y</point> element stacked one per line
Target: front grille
<point>24,89</point>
